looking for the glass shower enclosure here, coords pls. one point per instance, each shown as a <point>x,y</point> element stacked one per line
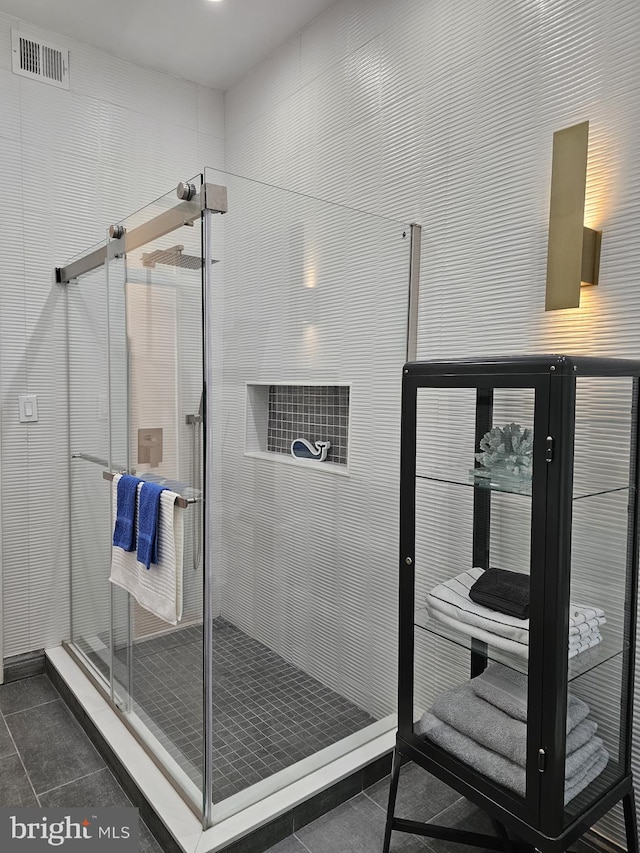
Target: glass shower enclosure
<point>136,404</point>
<point>208,335</point>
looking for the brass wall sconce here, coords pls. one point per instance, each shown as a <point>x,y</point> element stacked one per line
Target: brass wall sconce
<point>573,257</point>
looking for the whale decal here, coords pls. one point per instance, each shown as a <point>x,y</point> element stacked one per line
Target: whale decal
<point>303,449</point>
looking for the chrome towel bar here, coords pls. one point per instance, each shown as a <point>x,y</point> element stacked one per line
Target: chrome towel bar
<point>182,502</point>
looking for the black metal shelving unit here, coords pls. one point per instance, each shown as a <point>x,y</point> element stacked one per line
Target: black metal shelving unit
<point>581,498</point>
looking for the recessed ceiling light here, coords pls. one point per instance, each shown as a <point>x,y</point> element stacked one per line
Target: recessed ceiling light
<point>215,1</point>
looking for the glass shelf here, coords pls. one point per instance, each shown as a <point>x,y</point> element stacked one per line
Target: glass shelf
<point>609,648</point>
<point>513,485</point>
<point>500,481</point>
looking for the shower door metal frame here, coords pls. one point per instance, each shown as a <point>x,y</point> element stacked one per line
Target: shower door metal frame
<point>212,198</point>
<point>207,628</point>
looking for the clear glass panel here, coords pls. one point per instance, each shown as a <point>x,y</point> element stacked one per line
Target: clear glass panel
<point>89,445</point>
<point>599,555</point>
<point>595,744</point>
<point>156,384</point>
<point>472,625</point>
<point>308,344</point>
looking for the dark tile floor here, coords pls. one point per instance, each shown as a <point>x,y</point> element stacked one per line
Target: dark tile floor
<point>267,713</point>
<point>46,759</point>
<point>357,826</point>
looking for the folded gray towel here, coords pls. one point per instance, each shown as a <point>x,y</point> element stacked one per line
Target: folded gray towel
<point>486,724</point>
<point>575,763</point>
<point>506,689</point>
<point>582,734</point>
<point>580,781</point>
<point>498,768</point>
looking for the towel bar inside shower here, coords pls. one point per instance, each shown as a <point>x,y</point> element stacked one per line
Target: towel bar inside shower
<point>182,502</point>
<point>97,460</point>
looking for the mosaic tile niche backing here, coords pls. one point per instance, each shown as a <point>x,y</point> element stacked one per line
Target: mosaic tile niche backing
<point>314,412</point>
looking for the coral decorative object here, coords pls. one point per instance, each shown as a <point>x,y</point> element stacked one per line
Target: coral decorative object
<point>507,449</point>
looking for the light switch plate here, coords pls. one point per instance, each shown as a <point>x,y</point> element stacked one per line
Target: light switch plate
<point>28,408</point>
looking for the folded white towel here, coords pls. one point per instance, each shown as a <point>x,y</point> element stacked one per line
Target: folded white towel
<point>495,640</point>
<point>586,627</point>
<point>584,644</point>
<point>579,613</point>
<point>158,589</point>
<point>511,646</point>
<point>452,599</point>
<point>577,641</point>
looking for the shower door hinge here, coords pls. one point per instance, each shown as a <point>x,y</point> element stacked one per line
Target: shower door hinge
<point>214,198</point>
<point>542,761</point>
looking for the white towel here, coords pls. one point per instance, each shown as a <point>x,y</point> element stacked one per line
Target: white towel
<point>496,640</point>
<point>579,613</point>
<point>450,603</point>
<point>452,599</point>
<point>511,646</point>
<point>158,589</point>
<point>584,644</point>
<point>589,626</point>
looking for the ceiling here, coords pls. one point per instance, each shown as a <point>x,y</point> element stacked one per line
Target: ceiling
<point>212,43</point>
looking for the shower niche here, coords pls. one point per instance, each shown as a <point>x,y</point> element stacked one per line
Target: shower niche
<point>281,413</point>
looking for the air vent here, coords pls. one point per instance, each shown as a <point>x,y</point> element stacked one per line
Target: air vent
<point>39,60</point>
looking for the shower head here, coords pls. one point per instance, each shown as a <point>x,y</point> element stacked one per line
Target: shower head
<point>173,257</point>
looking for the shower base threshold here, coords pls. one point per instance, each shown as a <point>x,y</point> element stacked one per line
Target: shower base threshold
<point>171,819</point>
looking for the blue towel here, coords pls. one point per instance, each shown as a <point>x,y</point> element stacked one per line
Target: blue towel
<point>124,531</point>
<point>149,511</point>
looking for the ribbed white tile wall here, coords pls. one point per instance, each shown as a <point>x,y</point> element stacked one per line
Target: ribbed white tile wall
<point>71,163</point>
<point>443,113</point>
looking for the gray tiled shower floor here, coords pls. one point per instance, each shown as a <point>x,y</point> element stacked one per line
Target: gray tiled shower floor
<point>268,714</point>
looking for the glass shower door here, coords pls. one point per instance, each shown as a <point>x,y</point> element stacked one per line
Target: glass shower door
<point>90,544</point>
<point>307,360</point>
<point>154,275</point>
